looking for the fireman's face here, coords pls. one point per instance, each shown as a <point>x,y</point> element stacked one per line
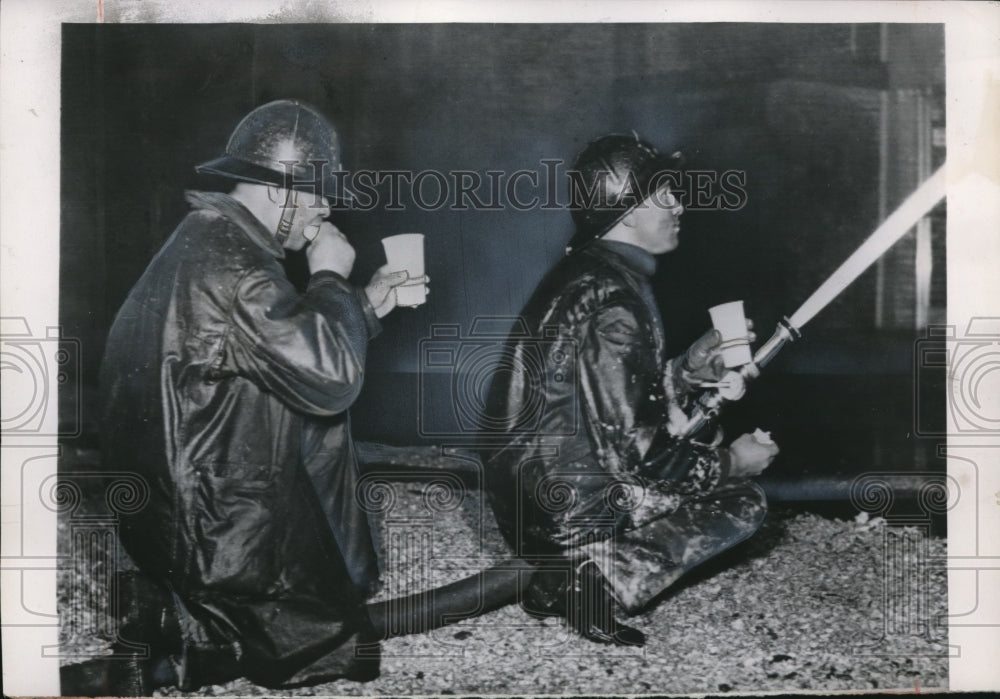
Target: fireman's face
<point>308,212</point>
<point>657,222</point>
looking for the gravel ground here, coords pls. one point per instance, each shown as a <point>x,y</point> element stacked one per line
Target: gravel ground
<point>809,603</point>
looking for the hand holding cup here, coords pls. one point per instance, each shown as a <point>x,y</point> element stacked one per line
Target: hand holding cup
<point>405,252</point>
<point>384,286</point>
<point>733,327</point>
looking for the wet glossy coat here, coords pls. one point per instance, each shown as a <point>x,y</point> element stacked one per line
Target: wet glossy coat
<point>595,425</point>
<point>228,392</point>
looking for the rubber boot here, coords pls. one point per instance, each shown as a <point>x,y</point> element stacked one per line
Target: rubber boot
<point>578,593</point>
<point>591,612</point>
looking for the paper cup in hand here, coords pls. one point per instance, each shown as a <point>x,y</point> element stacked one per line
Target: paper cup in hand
<point>729,320</point>
<point>406,252</point>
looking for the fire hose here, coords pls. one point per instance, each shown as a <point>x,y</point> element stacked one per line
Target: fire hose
<point>733,384</point>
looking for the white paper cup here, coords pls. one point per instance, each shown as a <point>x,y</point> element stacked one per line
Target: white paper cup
<point>729,320</point>
<point>406,252</point>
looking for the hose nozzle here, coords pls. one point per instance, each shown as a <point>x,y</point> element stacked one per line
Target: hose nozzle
<point>712,401</point>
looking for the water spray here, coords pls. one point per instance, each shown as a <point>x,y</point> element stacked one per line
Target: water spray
<point>732,386</point>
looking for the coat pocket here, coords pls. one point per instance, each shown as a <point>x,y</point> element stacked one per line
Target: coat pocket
<point>235,533</point>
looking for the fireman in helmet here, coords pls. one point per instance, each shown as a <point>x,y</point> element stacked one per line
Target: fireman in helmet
<point>586,470</point>
<point>227,390</point>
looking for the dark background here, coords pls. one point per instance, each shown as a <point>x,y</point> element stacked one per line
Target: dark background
<point>795,107</point>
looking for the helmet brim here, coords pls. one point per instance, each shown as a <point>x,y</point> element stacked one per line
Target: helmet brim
<point>334,188</point>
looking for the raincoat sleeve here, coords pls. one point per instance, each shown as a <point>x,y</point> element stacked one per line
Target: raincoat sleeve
<point>662,469</point>
<point>308,350</point>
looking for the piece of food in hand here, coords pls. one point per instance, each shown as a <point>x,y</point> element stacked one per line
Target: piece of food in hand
<point>762,437</point>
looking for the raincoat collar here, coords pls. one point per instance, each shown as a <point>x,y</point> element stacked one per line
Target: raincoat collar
<point>637,260</point>
<point>231,209</point>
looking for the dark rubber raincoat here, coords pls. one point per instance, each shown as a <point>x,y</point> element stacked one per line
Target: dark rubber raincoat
<point>227,391</point>
<point>580,458</point>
